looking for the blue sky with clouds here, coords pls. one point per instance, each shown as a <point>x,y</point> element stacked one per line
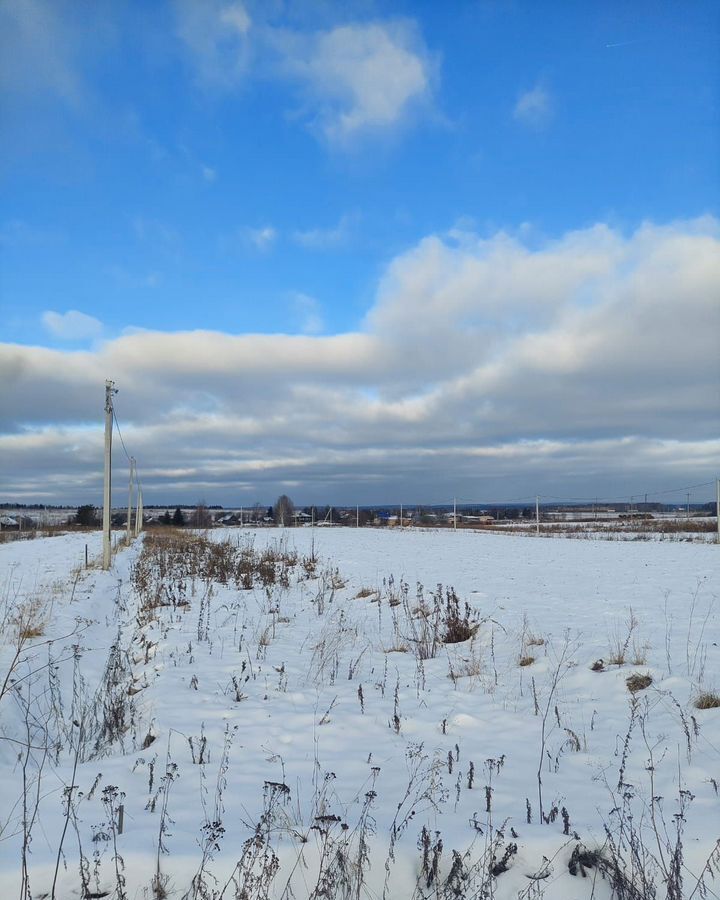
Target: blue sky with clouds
<point>445,186</point>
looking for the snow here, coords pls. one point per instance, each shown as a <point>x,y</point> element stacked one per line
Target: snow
<point>302,657</point>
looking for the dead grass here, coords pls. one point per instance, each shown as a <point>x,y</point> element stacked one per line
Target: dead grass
<point>29,620</point>
<point>707,700</point>
<point>526,661</point>
<point>31,631</point>
<point>638,681</point>
<point>639,655</point>
<point>365,592</point>
<point>468,667</point>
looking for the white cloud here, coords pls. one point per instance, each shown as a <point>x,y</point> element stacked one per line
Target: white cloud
<point>360,78</point>
<point>487,366</point>
<point>208,173</point>
<point>354,79</point>
<point>72,325</point>
<point>326,238</point>
<point>534,107</point>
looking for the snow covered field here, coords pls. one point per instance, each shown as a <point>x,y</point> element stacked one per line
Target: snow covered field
<point>211,721</point>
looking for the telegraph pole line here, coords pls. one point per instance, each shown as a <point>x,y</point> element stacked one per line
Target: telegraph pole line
<point>107,481</point>
<point>130,533</point>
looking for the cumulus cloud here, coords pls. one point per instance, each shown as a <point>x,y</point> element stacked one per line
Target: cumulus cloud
<point>354,79</point>
<point>487,367</point>
<point>72,325</point>
<point>359,78</point>
<point>534,107</point>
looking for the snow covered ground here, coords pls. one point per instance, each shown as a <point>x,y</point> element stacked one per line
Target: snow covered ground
<point>315,736</point>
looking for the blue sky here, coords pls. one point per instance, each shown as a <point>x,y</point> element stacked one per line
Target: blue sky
<point>310,169</point>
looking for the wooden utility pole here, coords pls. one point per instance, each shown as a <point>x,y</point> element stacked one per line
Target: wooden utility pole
<point>717,510</point>
<point>107,484</point>
<point>537,515</point>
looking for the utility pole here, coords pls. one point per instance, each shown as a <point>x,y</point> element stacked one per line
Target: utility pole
<point>401,515</point>
<point>717,510</point>
<point>537,515</point>
<point>130,532</point>
<point>357,516</point>
<point>107,484</point>
<point>139,513</point>
<point>455,513</point>
<point>687,508</point>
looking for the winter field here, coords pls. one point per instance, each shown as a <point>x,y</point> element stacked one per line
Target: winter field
<point>341,713</point>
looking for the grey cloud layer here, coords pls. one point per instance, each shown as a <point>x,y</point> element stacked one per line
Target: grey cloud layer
<point>484,363</point>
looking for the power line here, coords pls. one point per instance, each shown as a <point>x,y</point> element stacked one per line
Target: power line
<point>117,424</point>
<point>624,497</point>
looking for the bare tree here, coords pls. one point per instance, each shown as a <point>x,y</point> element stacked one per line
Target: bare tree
<point>283,510</point>
<point>201,517</point>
